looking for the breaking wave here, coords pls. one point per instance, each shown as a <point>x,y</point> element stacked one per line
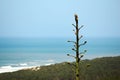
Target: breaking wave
<point>20,66</point>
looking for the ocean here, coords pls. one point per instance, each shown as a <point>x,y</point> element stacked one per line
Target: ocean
<point>20,53</point>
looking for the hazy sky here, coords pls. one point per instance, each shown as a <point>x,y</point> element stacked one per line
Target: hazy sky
<point>53,18</point>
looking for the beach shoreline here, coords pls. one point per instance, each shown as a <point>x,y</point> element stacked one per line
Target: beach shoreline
<point>7,69</point>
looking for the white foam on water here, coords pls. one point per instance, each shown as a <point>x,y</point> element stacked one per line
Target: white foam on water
<point>4,69</point>
<point>47,64</point>
<point>23,66</point>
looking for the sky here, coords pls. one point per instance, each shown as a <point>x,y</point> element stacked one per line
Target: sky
<point>54,18</point>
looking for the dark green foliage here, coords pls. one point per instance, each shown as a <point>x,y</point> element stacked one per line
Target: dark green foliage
<point>107,68</point>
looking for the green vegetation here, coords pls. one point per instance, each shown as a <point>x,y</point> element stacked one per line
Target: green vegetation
<point>79,55</point>
<point>106,68</point>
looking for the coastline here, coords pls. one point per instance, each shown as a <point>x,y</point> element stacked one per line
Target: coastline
<point>7,69</point>
<point>63,71</point>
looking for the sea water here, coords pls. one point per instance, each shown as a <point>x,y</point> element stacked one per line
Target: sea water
<point>20,53</point>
